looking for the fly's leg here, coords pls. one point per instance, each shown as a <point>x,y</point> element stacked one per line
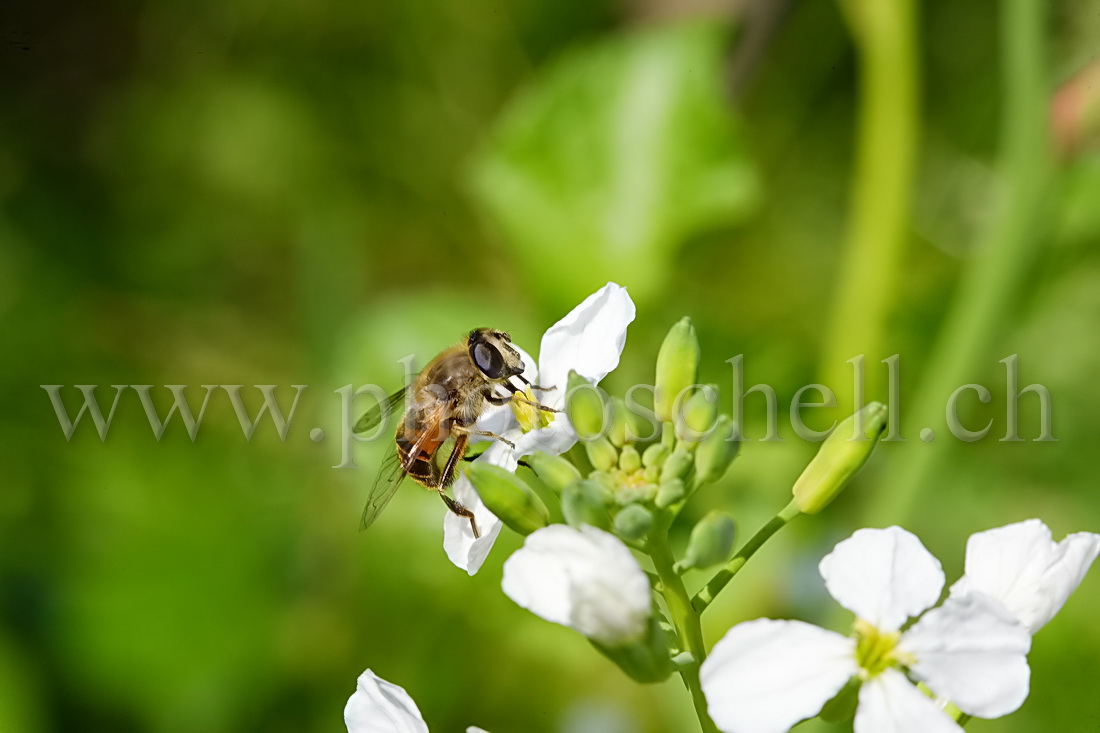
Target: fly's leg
<point>462,439</point>
<point>539,388</point>
<point>461,511</point>
<point>487,434</point>
<point>537,405</point>
<point>517,396</point>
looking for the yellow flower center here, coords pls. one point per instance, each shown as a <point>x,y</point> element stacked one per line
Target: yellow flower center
<point>527,415</point>
<point>876,651</point>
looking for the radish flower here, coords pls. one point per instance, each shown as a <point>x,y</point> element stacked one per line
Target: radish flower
<point>765,676</point>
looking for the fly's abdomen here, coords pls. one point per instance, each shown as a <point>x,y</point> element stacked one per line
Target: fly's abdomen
<point>420,467</point>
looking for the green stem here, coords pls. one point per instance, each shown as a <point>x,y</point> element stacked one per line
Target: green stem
<point>884,32</point>
<point>990,283</point>
<point>713,587</point>
<point>684,617</point>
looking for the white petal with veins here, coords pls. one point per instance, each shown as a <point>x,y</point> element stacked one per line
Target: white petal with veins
<point>585,579</point>
<point>378,706</point>
<point>1026,570</point>
<point>971,651</point>
<point>883,576</point>
<point>889,703</point>
<point>764,676</point>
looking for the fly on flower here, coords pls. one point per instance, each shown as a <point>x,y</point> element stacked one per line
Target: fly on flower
<point>445,401</point>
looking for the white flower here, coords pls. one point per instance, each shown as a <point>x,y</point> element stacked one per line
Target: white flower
<point>589,340</point>
<point>585,579</point>
<point>378,706</point>
<point>765,676</point>
<point>1026,570</point>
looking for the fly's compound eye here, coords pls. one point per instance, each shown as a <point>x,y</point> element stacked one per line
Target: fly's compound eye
<point>489,360</point>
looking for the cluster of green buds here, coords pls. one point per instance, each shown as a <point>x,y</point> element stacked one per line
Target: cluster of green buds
<point>632,472</point>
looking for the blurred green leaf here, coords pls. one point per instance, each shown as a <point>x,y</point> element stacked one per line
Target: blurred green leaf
<point>617,154</point>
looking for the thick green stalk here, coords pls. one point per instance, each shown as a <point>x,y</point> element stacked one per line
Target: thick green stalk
<point>991,280</point>
<point>713,587</point>
<point>884,32</point>
<point>684,617</point>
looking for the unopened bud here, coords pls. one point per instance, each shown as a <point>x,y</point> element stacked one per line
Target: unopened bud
<point>622,431</point>
<point>841,455</point>
<point>554,471</point>
<point>715,454</point>
<point>655,455</point>
<point>587,407</point>
<point>509,497</point>
<point>586,502</point>
<point>629,460</point>
<point>602,454</point>
<point>696,414</point>
<point>669,493</point>
<point>676,465</point>
<point>711,541</point>
<point>677,364</point>
<point>633,522</point>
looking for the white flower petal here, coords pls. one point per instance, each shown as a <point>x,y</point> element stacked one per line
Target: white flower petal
<point>1026,570</point>
<point>884,576</point>
<point>589,340</point>
<point>585,579</point>
<point>459,543</point>
<point>378,706</point>
<point>971,651</point>
<point>764,676</point>
<point>497,419</point>
<point>475,729</point>
<point>556,438</point>
<point>889,703</point>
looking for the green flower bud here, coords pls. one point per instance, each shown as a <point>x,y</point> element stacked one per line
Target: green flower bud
<point>711,541</point>
<point>715,454</point>
<point>587,406</point>
<point>509,497</point>
<point>655,455</point>
<point>647,660</point>
<point>670,492</point>
<point>677,364</point>
<point>676,465</point>
<point>839,458</point>
<point>629,460</point>
<point>668,435</point>
<point>633,522</point>
<point>554,471</point>
<point>586,502</point>
<point>695,418</point>
<point>652,474</point>
<point>602,454</point>
<point>622,430</point>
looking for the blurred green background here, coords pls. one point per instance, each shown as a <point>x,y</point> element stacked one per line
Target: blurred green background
<point>303,193</point>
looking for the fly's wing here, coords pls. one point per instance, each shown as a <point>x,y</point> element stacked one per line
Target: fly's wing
<point>394,467</point>
<point>390,474</point>
<point>376,414</point>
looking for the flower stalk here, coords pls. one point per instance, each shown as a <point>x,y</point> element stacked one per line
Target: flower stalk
<point>715,585</point>
<point>685,619</point>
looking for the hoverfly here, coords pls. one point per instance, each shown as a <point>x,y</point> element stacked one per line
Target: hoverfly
<point>445,400</point>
